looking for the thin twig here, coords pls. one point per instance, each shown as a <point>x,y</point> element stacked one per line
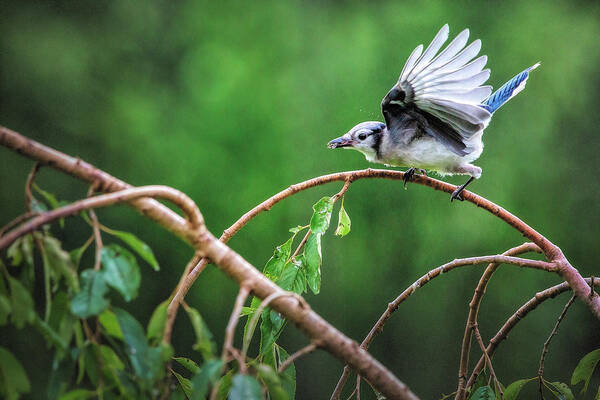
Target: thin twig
<point>474,310</point>
<point>488,361</point>
<point>171,309</point>
<point>393,306</point>
<point>228,348</point>
<point>29,183</point>
<point>547,342</point>
<point>309,348</point>
<point>357,386</point>
<point>20,219</point>
<point>254,320</point>
<point>514,319</point>
<point>96,228</point>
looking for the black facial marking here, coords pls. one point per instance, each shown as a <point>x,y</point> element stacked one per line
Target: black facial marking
<point>377,141</point>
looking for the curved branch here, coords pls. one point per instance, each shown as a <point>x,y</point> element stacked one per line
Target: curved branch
<point>550,250</point>
<point>474,310</point>
<point>229,261</point>
<point>195,229</point>
<point>393,306</point>
<point>521,313</point>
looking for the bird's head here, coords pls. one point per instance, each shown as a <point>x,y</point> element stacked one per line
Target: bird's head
<point>364,137</point>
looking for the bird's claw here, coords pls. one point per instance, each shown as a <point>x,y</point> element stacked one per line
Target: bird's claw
<point>457,195</point>
<point>408,176</point>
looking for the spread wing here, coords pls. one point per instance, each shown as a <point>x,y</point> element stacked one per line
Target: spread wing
<point>445,88</point>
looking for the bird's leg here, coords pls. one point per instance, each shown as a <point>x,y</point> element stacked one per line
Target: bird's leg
<point>408,175</point>
<point>457,193</point>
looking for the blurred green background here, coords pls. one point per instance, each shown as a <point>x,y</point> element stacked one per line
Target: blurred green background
<point>231,102</point>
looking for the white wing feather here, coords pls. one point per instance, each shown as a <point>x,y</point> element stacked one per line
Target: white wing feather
<point>449,85</point>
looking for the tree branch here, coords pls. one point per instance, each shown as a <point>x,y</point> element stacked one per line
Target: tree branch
<point>393,306</point>
<point>230,262</point>
<point>474,310</point>
<point>521,313</point>
<point>547,343</point>
<point>195,229</point>
<point>303,351</point>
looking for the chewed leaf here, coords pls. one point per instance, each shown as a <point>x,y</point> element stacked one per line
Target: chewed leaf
<point>322,215</point>
<point>280,256</point>
<point>312,261</point>
<point>344,222</point>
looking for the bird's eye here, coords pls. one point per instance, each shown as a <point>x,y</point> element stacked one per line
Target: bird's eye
<point>362,136</point>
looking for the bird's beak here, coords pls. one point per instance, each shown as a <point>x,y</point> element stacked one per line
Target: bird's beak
<point>342,141</point>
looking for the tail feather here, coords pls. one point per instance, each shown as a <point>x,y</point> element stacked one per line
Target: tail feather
<point>508,90</point>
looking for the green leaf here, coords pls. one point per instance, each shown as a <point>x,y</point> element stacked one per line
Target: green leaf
<point>4,309</point>
<point>245,387</point>
<point>59,260</point>
<point>12,376</point>
<point>298,228</point>
<point>121,270</point>
<point>61,320</point>
<point>483,393</point>
<point>77,253</point>
<point>51,336</point>
<point>141,248</point>
<point>48,197</point>
<point>312,258</point>
<point>597,397</point>
<point>224,385</point>
<point>288,377</point>
<point>204,339</point>
<point>188,364</point>
<point>156,326</point>
<point>322,215</point>
<point>270,329</point>
<point>61,374</point>
<point>280,256</point>
<point>109,321</point>
<point>293,277</point>
<point>78,394</point>
<point>14,253</point>
<point>585,368</point>
<point>563,390</point>
<point>512,391</point>
<point>110,359</point>
<point>21,303</point>
<point>205,378</point>
<point>247,311</point>
<point>147,361</point>
<point>185,384</point>
<point>344,222</point>
<point>90,300</point>
<point>560,390</point>
<point>272,381</point>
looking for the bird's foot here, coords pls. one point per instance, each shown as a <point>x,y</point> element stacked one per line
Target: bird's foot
<point>409,174</point>
<point>456,195</point>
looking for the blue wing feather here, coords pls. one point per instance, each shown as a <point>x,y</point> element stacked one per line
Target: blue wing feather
<point>508,90</point>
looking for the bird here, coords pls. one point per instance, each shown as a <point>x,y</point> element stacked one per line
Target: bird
<point>436,113</point>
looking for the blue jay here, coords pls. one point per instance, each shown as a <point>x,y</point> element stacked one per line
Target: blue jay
<point>436,113</point>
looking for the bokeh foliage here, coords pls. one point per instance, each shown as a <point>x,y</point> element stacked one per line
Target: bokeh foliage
<point>231,102</point>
